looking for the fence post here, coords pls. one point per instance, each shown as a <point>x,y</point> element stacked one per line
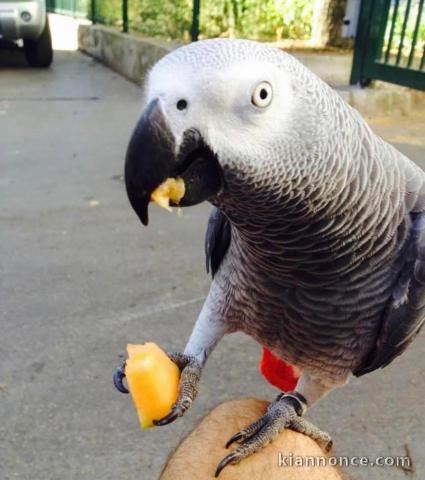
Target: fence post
<point>125,16</point>
<point>195,20</point>
<point>360,45</point>
<point>93,11</point>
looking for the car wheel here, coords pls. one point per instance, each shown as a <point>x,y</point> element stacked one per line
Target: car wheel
<point>39,52</point>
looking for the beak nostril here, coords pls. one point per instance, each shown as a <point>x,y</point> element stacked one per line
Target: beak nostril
<point>181,104</point>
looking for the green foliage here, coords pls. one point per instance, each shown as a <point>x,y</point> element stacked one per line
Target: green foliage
<point>108,12</point>
<point>259,19</point>
<point>256,19</point>
<point>265,20</point>
<point>164,18</point>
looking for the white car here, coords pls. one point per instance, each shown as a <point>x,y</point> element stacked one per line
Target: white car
<point>27,20</point>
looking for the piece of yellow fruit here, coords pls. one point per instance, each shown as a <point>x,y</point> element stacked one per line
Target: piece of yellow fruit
<point>171,189</point>
<point>153,381</point>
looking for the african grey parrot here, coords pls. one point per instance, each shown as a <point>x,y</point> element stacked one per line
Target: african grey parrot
<point>316,241</point>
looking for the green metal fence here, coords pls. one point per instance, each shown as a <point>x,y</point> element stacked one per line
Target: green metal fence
<point>125,14</point>
<point>390,43</point>
<point>183,19</point>
<point>76,8</point>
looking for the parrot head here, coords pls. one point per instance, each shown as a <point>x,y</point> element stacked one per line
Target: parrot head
<point>219,114</point>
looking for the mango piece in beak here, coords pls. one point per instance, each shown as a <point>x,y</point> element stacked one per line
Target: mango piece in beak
<point>172,189</point>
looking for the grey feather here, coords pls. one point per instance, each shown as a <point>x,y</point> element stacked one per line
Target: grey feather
<point>405,314</point>
<point>309,243</point>
<point>217,240</point>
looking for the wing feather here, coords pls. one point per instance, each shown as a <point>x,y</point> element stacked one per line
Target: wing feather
<point>405,314</point>
<point>217,240</point>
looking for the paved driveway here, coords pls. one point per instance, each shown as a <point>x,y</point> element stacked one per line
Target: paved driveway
<point>81,278</point>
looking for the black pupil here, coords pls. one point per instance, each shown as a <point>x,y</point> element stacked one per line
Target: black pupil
<point>181,104</point>
<point>263,94</point>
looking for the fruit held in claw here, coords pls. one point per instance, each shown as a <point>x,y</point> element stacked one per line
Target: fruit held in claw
<point>172,189</point>
<point>153,381</point>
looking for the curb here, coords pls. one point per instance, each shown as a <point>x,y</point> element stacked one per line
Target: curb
<point>129,55</point>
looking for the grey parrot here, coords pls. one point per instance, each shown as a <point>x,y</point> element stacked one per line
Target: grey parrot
<point>316,240</point>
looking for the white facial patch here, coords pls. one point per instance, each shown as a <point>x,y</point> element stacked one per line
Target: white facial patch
<point>219,103</point>
<point>232,116</point>
<point>172,84</point>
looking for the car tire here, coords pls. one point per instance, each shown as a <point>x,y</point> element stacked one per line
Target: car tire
<point>39,52</point>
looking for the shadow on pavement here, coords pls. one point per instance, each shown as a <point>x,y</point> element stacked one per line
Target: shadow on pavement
<point>12,56</point>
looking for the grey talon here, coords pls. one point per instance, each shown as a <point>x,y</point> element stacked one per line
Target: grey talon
<point>236,437</point>
<point>285,412</point>
<point>173,415</point>
<point>190,369</point>
<point>119,376</point>
<point>226,460</point>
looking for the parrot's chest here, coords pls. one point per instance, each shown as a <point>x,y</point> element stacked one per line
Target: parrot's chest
<point>315,301</point>
<point>327,327</point>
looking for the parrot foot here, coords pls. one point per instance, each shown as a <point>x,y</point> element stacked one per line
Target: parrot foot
<point>285,412</point>
<point>190,369</point>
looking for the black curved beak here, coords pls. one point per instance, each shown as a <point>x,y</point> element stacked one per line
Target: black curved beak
<point>153,156</point>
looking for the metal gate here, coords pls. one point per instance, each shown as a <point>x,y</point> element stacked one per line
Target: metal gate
<point>75,8</point>
<point>390,43</point>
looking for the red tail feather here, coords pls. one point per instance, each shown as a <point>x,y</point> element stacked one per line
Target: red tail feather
<point>278,373</point>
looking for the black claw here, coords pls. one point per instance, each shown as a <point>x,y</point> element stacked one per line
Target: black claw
<point>119,375</point>
<point>167,419</point>
<point>226,460</point>
<point>236,437</point>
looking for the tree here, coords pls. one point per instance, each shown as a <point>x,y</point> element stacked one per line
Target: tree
<point>328,20</point>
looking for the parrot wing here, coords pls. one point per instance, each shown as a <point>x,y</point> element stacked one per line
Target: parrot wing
<point>405,314</point>
<point>217,240</point>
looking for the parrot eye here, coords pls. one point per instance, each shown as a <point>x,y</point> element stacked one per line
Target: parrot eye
<point>262,95</point>
<point>181,104</point>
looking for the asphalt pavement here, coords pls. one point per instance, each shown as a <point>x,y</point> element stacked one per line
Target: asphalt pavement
<point>81,278</point>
